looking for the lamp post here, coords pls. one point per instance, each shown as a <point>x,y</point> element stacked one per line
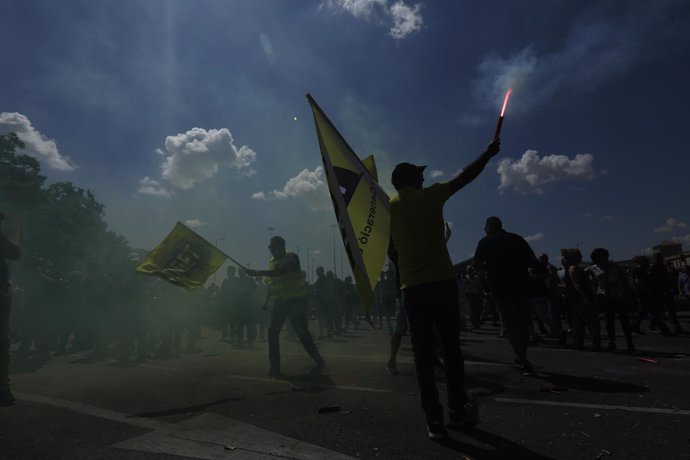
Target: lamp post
<point>335,272</point>
<point>222,238</point>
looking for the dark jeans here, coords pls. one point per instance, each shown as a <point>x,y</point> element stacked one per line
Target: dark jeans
<point>612,308</point>
<point>429,306</point>
<point>296,310</point>
<point>5,306</point>
<point>585,316</point>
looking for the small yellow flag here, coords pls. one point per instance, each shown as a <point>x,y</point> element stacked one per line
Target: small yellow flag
<point>184,259</point>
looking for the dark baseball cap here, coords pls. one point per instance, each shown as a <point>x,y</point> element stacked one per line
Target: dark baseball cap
<point>405,171</point>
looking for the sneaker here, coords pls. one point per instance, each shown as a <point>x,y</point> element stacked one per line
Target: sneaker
<point>436,430</point>
<point>468,417</point>
<point>6,398</point>
<point>392,368</point>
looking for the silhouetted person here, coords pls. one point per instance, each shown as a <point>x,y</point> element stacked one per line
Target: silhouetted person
<point>9,249</point>
<point>507,258</point>
<point>288,292</point>
<point>429,289</point>
<point>582,300</point>
<point>612,291</point>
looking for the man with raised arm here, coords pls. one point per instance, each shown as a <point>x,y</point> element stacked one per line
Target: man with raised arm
<point>429,290</point>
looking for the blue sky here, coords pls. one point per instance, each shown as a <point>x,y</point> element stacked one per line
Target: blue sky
<point>195,111</point>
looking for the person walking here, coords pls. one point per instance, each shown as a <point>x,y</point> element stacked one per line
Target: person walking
<point>429,289</point>
<point>507,258</point>
<point>613,292</point>
<point>287,290</point>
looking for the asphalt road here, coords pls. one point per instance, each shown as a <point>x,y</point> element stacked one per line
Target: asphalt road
<point>220,403</point>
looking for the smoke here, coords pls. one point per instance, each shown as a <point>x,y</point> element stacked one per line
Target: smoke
<point>597,50</point>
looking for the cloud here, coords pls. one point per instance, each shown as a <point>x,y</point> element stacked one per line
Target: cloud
<point>308,186</point>
<point>531,173</point>
<point>362,9</point>
<point>684,239</point>
<point>194,223</point>
<point>608,217</point>
<point>199,154</point>
<point>587,215</point>
<point>670,225</point>
<point>267,48</point>
<point>434,173</point>
<point>535,237</point>
<point>35,144</point>
<point>601,46</point>
<point>405,19</point>
<point>148,186</point>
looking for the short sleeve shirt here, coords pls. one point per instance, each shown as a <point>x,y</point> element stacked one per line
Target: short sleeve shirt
<point>418,232</point>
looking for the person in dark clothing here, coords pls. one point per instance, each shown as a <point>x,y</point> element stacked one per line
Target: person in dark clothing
<point>644,284</point>
<point>507,258</point>
<point>664,290</point>
<point>429,288</point>
<point>612,291</point>
<point>9,249</point>
<point>582,301</point>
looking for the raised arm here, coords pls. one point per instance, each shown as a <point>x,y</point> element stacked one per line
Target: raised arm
<point>473,169</point>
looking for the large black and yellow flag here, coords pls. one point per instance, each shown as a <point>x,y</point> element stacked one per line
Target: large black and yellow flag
<point>361,206</point>
<point>184,259</point>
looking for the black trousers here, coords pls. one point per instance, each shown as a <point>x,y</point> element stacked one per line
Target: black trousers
<point>435,306</point>
<point>296,310</point>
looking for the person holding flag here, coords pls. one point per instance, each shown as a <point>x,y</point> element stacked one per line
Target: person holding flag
<point>287,289</point>
<point>429,290</point>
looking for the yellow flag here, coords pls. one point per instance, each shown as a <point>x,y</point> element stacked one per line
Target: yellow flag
<point>361,206</point>
<point>184,259</point>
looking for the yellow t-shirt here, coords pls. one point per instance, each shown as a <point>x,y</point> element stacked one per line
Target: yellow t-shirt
<point>418,232</point>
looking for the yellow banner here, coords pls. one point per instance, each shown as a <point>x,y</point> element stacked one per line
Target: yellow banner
<point>361,206</point>
<point>184,259</point>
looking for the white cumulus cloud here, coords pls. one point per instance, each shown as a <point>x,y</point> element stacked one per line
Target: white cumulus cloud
<point>199,154</point>
<point>531,173</point>
<point>194,223</point>
<point>35,144</point>
<point>434,173</point>
<point>405,19</point>
<point>148,186</point>
<point>309,186</point>
<point>535,237</point>
<point>670,225</point>
<point>358,8</point>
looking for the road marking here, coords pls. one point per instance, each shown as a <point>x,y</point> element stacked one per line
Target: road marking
<point>540,402</point>
<point>206,436</point>
<point>309,384</point>
<point>151,366</point>
<point>92,410</point>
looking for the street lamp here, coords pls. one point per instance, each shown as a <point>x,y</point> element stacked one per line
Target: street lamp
<point>222,238</point>
<point>335,272</point>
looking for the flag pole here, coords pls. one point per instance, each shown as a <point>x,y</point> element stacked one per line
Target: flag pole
<point>217,249</point>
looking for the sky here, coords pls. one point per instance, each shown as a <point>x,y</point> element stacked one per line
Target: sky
<point>195,111</point>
